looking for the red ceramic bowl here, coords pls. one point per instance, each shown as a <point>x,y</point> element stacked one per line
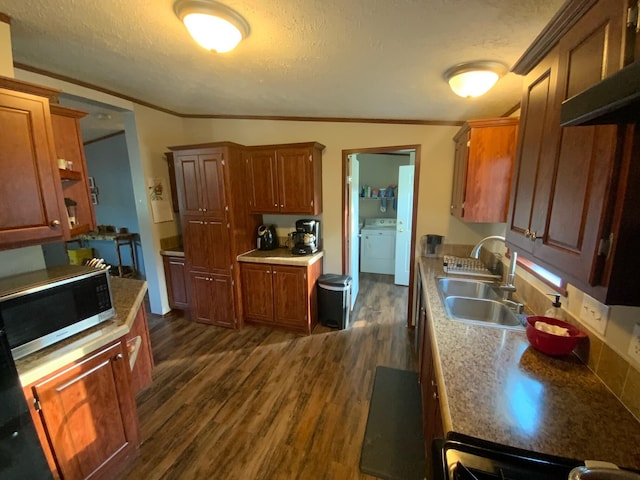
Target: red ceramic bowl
<point>548,343</point>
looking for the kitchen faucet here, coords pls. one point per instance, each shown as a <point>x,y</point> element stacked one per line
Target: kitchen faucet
<point>510,282</point>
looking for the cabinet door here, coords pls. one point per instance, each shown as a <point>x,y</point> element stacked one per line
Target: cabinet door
<point>295,180</point>
<point>212,184</point>
<point>257,291</point>
<point>187,184</point>
<point>584,156</point>
<point>30,189</point>
<point>172,181</point>
<point>261,170</point>
<point>200,296</point>
<point>222,301</point>
<point>140,356</point>
<point>89,414</point>
<point>533,172</point>
<point>212,299</point>
<point>460,174</point>
<point>174,273</point>
<point>489,168</point>
<point>290,296</point>
<point>206,244</point>
<point>196,243</point>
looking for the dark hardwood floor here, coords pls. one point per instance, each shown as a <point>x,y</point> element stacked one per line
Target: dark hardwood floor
<point>266,404</point>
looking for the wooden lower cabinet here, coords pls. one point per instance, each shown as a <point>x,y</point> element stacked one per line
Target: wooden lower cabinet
<point>432,427</point>
<point>86,417</point>
<point>280,295</point>
<point>176,281</point>
<point>212,299</point>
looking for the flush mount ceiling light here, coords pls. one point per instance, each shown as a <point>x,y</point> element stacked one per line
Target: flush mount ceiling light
<point>213,25</point>
<point>474,78</point>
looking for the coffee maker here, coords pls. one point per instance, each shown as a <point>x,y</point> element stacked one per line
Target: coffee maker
<point>306,237</point>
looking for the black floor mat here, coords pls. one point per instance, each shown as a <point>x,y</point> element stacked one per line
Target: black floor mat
<point>393,445</point>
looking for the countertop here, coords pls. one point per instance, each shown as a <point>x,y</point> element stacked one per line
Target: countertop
<point>280,256</point>
<point>128,295</point>
<point>493,385</point>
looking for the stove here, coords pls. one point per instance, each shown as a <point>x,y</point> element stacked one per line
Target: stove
<point>463,458</point>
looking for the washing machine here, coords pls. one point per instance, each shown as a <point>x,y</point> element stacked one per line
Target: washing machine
<point>378,246</point>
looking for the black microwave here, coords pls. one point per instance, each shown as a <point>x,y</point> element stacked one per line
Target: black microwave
<point>43,307</point>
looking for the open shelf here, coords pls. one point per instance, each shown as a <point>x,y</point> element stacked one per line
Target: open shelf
<point>69,175</point>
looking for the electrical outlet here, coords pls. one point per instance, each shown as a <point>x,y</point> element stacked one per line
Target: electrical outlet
<point>634,345</point>
<point>594,314</point>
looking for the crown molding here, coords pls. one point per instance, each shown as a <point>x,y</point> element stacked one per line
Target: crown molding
<point>389,121</point>
<point>561,22</point>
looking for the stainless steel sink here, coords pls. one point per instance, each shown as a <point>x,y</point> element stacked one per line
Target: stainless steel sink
<point>450,287</point>
<point>481,311</point>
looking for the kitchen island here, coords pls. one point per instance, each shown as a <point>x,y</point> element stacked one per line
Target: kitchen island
<point>494,386</point>
<point>82,390</point>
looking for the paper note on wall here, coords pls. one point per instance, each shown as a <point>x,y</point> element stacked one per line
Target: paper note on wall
<point>161,208</point>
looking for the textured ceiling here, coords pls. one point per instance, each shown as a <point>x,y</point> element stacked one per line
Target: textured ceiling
<point>310,58</point>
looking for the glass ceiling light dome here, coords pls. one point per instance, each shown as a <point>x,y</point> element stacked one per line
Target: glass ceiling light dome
<point>474,78</point>
<point>213,25</point>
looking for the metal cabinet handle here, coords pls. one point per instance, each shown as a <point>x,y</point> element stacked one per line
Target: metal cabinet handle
<point>54,223</point>
<point>527,233</point>
<point>533,236</point>
<point>119,356</point>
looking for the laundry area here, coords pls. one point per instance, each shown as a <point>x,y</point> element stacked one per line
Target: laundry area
<point>384,209</point>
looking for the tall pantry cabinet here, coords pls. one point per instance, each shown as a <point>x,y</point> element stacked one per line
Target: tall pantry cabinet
<point>216,228</point>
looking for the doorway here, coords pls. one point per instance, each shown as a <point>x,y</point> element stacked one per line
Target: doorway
<point>402,211</point>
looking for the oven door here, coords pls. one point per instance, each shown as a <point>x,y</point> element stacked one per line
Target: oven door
<point>461,457</point>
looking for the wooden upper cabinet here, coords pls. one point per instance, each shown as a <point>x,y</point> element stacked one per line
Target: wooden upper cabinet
<point>285,178</point>
<point>567,210</point>
<point>31,194</point>
<point>200,183</point>
<point>262,174</point>
<point>75,181</point>
<point>483,166</point>
<point>533,173</point>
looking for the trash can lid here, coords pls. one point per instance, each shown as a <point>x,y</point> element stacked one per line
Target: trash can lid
<point>335,280</point>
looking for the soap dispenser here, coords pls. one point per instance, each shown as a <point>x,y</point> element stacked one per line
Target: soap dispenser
<point>555,311</point>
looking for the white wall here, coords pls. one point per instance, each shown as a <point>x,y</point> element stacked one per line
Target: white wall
<point>6,55</point>
<point>148,133</point>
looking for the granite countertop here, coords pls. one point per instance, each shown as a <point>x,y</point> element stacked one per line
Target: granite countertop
<point>280,256</point>
<point>128,295</point>
<point>493,385</point>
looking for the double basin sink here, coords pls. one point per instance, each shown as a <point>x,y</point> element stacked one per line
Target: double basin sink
<point>476,302</point>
